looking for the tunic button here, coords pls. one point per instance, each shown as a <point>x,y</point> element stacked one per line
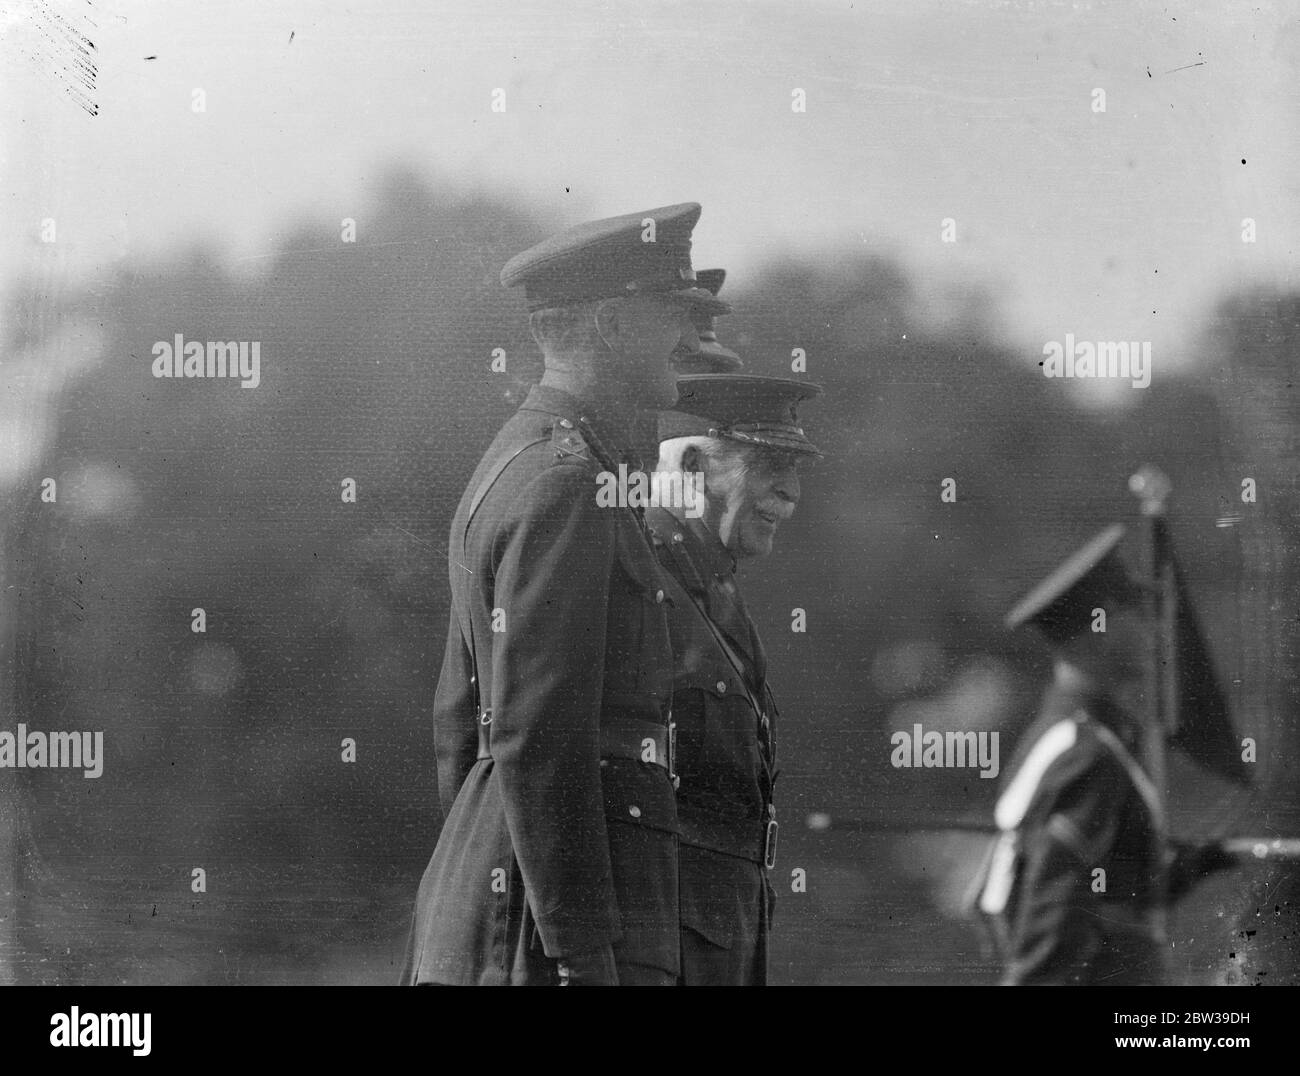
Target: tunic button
<point>566,423</point>
<point>677,538</point>
<point>659,596</point>
<point>722,685</point>
<point>634,811</point>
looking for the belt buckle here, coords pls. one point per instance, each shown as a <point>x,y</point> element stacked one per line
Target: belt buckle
<point>672,752</point>
<point>769,844</point>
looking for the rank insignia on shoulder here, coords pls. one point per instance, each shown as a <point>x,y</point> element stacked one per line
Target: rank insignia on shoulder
<point>568,442</point>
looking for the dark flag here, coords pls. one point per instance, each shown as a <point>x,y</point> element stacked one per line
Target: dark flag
<point>1189,710</point>
<point>1204,729</point>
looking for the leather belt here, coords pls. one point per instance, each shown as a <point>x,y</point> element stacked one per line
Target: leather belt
<point>744,838</point>
<point>624,737</point>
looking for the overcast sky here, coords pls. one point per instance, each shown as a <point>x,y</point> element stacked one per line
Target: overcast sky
<point>1122,225</point>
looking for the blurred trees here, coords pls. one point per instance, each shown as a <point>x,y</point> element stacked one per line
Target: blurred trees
<point>326,620</point>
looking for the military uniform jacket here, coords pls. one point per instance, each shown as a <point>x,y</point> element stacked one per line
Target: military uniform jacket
<point>556,843</point>
<point>1076,801</point>
<point>725,720</point>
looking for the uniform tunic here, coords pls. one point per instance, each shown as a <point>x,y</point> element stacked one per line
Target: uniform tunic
<point>556,842</point>
<point>726,756</point>
<point>1075,802</point>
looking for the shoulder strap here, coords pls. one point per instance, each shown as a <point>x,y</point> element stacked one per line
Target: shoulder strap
<point>724,644</point>
<point>489,480</point>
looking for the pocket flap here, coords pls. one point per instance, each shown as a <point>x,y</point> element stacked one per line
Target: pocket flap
<point>720,681</point>
<point>639,794</point>
<point>711,901</point>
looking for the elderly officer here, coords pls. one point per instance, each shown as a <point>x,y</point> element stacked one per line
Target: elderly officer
<point>741,434</point>
<point>557,858</point>
<point>1072,885</point>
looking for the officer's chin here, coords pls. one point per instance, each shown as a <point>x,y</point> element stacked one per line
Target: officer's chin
<point>757,540</point>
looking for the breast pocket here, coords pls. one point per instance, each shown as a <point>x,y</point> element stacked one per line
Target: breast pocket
<point>720,761</point>
<point>730,717</point>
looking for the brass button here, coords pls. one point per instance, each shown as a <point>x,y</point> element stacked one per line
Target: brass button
<point>634,811</point>
<point>659,596</point>
<point>604,763</point>
<point>566,423</point>
<point>678,537</point>
<point>722,685</point>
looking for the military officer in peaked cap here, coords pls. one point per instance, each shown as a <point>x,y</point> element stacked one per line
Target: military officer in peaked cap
<point>557,860</point>
<point>1076,801</point>
<point>706,355</point>
<point>741,434</point>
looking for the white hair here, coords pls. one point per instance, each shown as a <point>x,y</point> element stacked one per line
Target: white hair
<point>729,461</point>
<point>672,451</point>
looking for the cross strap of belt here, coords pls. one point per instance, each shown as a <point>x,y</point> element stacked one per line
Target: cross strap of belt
<point>606,459</point>
<point>624,737</point>
<point>765,753</point>
<point>1146,789</point>
<point>738,664</point>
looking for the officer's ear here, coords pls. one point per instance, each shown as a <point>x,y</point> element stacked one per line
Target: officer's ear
<point>609,323</point>
<point>692,460</point>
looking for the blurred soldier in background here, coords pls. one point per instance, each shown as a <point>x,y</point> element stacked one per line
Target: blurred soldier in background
<point>1075,884</point>
<point>741,434</point>
<point>704,354</point>
<point>557,861</point>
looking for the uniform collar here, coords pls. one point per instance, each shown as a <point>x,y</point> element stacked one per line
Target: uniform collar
<point>613,439</point>
<point>715,556</point>
<point>705,554</point>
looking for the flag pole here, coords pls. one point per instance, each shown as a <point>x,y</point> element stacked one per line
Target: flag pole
<point>1152,488</point>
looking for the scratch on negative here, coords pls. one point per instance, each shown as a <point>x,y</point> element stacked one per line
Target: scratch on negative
<point>417,538</point>
<point>66,53</point>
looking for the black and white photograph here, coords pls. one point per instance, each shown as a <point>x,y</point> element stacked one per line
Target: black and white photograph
<point>647,493</point>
